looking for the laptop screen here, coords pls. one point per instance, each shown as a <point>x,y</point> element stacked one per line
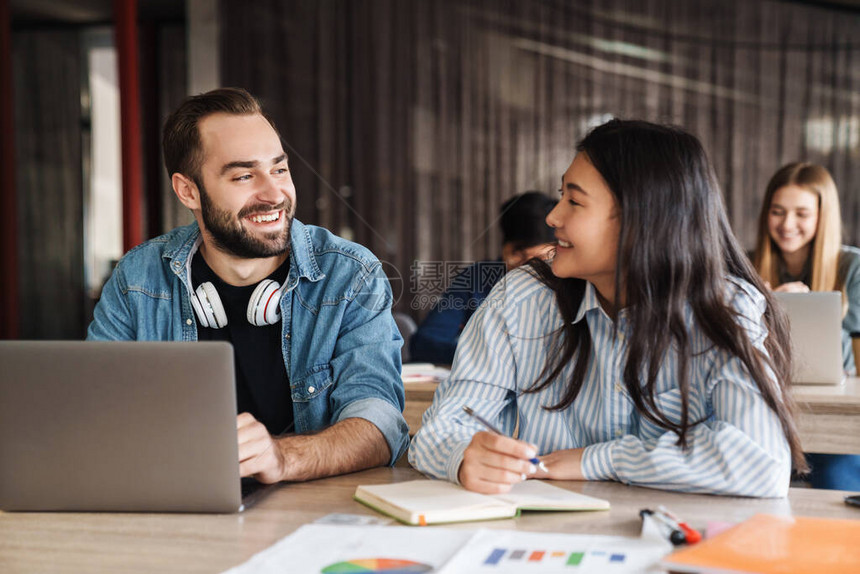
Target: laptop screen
<point>816,335</point>
<point>118,426</point>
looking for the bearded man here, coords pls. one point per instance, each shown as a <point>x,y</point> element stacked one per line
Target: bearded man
<point>317,352</point>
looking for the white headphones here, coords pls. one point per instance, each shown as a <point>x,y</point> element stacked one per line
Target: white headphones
<point>264,306</point>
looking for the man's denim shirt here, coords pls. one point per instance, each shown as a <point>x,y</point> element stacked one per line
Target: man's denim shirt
<point>341,346</point>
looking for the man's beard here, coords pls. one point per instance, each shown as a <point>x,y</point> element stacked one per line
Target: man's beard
<point>229,235</point>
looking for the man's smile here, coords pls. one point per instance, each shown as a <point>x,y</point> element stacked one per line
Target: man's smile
<point>265,217</point>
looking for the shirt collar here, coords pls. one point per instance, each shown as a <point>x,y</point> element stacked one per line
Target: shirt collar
<point>303,263</point>
<point>179,249</point>
<point>589,302</point>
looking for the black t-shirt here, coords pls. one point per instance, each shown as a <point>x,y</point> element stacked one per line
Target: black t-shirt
<point>262,382</point>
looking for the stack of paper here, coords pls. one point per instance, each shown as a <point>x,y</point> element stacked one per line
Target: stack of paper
<point>423,373</point>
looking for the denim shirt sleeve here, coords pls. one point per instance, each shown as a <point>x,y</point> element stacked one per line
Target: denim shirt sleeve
<point>145,298</point>
<point>366,363</point>
<point>112,319</point>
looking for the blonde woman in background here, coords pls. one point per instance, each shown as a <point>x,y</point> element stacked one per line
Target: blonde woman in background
<point>799,245</point>
<point>799,249</point>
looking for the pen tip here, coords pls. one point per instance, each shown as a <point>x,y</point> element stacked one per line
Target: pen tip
<point>467,409</point>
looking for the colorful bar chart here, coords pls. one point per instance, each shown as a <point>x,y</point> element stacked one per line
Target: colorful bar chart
<point>567,558</point>
<point>495,556</point>
<point>575,558</point>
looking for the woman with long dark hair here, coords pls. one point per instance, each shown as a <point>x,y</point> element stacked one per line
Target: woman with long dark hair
<point>648,352</point>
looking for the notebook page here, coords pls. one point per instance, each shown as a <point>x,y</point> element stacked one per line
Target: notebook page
<point>540,494</point>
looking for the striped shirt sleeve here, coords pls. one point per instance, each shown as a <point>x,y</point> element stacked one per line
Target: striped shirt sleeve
<point>740,450</point>
<point>483,377</point>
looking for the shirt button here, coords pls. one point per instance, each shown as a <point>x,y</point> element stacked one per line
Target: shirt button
<point>619,432</point>
<point>619,387</point>
<point>311,389</point>
<point>188,321</point>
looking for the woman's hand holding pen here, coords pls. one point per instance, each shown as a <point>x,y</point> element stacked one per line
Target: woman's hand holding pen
<point>492,463</point>
<point>563,465</point>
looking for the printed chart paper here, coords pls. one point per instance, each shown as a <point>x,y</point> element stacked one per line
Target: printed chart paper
<point>518,552</point>
<point>335,549</point>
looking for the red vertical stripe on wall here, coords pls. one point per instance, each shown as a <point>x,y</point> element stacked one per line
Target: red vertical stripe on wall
<point>8,203</point>
<point>125,29</point>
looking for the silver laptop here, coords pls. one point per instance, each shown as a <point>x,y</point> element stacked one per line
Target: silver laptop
<point>816,336</point>
<point>97,426</point>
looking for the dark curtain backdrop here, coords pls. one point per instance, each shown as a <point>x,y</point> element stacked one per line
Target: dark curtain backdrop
<point>409,122</point>
<point>51,141</point>
<point>172,79</point>
<point>47,78</point>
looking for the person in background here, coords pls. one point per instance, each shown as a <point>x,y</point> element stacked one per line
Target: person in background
<point>799,249</point>
<point>799,246</point>
<point>317,352</point>
<point>649,351</point>
<point>525,234</point>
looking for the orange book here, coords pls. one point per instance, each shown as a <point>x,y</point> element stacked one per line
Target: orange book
<point>775,544</point>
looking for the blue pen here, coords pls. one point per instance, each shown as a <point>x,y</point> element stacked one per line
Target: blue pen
<point>493,429</point>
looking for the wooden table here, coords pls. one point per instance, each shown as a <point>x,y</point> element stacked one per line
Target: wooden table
<point>828,416</point>
<point>62,543</point>
<point>419,396</point>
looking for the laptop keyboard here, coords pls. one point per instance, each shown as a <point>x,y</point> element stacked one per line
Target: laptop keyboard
<point>250,486</point>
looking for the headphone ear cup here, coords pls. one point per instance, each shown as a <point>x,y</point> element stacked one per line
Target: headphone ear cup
<point>198,309</point>
<point>264,307</point>
<point>212,307</point>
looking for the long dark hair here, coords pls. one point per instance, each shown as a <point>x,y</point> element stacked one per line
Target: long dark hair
<point>675,248</point>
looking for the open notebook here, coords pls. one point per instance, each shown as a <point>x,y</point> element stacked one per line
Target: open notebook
<point>422,502</point>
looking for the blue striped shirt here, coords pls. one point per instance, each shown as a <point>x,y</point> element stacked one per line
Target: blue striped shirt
<point>739,449</point>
